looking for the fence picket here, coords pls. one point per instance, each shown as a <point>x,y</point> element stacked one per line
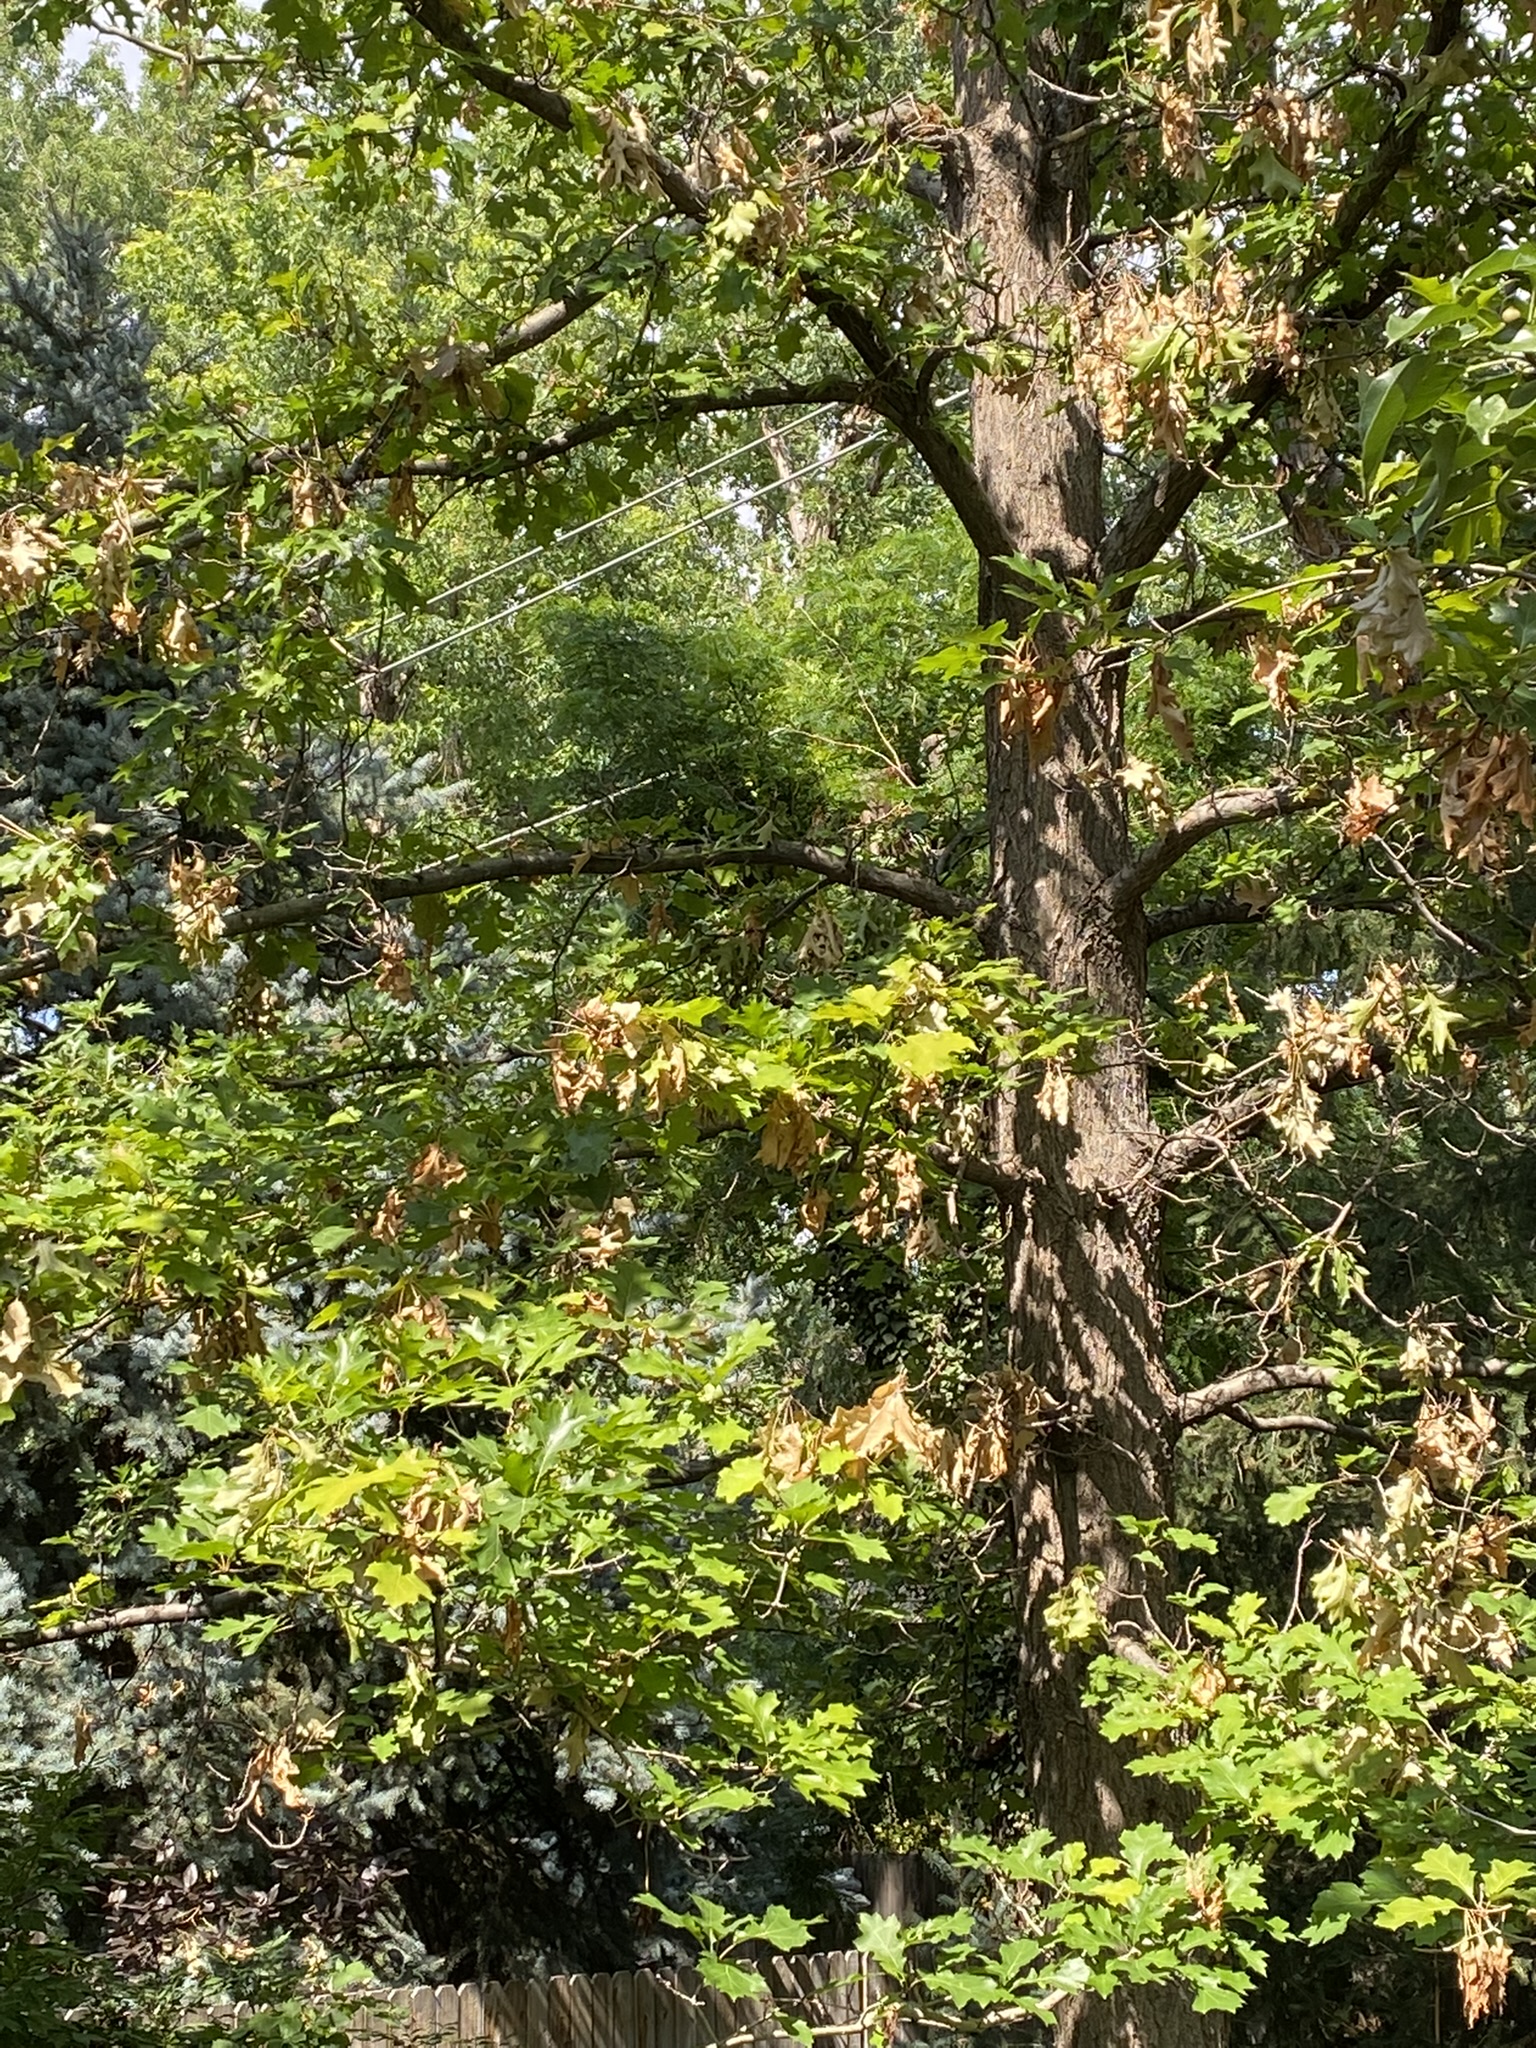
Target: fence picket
<point>639,2009</point>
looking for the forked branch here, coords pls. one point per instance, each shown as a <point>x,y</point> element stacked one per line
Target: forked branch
<point>1217,812</point>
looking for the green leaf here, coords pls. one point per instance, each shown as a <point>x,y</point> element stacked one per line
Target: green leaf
<point>1291,1504</point>
<point>730,1978</point>
<point>1383,407</point>
<point>1444,1865</point>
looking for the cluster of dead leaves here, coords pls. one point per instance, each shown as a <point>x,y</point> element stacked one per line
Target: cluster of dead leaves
<point>1295,125</point>
<point>111,574</point>
<point>315,498</point>
<point>999,1423</point>
<point>1207,46</point>
<point>1420,1580</point>
<point>439,1511</point>
<point>1487,781</point>
<point>409,1304</point>
<point>1317,1043</point>
<point>455,368</point>
<point>891,1197</point>
<point>1144,351</point>
<point>600,1241</point>
<point>392,976</point>
<point>620,1049</point>
<point>1031,689</point>
<point>1367,803</point>
<point>225,1331</point>
<point>628,162</point>
<point>200,897</point>
<point>1483,1958</point>
<point>27,548</point>
<point>27,1355</point>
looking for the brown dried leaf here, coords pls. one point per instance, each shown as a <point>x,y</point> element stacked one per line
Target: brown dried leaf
<point>789,1133</point>
<point>180,638</point>
<point>26,547</point>
<point>1167,709</point>
<point>1367,803</point>
<point>1030,695</point>
<point>437,1169</point>
<point>1273,661</point>
<point>822,946</point>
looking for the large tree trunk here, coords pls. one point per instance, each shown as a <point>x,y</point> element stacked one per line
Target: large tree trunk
<point>1082,1251</point>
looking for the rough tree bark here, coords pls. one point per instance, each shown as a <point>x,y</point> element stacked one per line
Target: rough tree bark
<point>1085,1323</point>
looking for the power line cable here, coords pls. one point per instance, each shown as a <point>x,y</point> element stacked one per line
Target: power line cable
<point>675,483</point>
<point>523,604</point>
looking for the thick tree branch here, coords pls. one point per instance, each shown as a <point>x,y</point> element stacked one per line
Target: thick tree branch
<point>543,325</point>
<point>908,119</point>
<point>902,398</point>
<point>1227,1396</point>
<point>930,899</point>
<point>658,412</point>
<point>1222,1396</point>
<point>1198,912</point>
<point>1155,512</point>
<point>156,1614</point>
<point>1214,813</point>
<point>542,863</point>
<point>981,1173</point>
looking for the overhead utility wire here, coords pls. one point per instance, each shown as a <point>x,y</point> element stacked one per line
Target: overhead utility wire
<point>673,483</point>
<point>645,547</point>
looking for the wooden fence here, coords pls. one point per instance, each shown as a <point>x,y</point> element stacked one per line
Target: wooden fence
<point>643,2009</point>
